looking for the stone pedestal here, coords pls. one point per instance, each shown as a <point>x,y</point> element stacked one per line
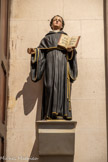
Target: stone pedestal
<point>56,140</point>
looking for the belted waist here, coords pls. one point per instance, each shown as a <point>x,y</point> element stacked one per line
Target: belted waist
<point>52,48</point>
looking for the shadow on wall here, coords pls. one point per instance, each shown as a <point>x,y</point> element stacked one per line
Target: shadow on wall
<point>32,92</point>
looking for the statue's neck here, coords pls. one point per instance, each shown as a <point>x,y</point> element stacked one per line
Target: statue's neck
<point>56,30</point>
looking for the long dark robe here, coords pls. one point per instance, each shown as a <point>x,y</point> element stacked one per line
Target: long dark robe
<point>59,68</point>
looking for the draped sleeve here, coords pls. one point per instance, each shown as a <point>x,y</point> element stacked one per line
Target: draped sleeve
<point>38,60</point>
<point>73,68</point>
<point>37,65</point>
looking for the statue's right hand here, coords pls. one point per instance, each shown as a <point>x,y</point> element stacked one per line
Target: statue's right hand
<point>31,50</point>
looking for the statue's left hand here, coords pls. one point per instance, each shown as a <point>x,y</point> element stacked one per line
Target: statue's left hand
<point>70,49</point>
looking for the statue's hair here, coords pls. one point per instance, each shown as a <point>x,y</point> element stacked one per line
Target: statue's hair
<point>63,23</point>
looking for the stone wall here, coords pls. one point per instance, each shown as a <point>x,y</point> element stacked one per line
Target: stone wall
<point>29,22</point>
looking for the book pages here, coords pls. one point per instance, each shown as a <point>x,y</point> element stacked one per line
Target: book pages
<point>74,41</point>
<point>64,40</point>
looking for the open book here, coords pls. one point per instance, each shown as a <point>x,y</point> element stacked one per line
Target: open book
<point>66,42</point>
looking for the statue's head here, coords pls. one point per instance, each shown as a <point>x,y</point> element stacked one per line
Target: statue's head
<point>57,23</point>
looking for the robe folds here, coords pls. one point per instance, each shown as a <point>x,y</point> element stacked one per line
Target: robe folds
<point>58,68</point>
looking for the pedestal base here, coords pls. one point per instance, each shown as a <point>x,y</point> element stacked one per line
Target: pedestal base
<point>56,140</point>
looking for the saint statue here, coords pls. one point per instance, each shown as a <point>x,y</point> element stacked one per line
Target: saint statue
<point>58,68</point>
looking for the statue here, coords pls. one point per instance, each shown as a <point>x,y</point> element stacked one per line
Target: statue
<point>58,68</point>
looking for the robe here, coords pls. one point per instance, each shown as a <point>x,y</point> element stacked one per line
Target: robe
<point>58,68</point>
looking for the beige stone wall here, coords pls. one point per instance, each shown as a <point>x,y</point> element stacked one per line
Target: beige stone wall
<point>29,22</point>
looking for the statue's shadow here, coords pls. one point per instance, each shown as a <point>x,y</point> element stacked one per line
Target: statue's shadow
<point>32,97</point>
<point>32,93</point>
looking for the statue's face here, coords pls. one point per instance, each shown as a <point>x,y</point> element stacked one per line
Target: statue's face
<point>57,23</point>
